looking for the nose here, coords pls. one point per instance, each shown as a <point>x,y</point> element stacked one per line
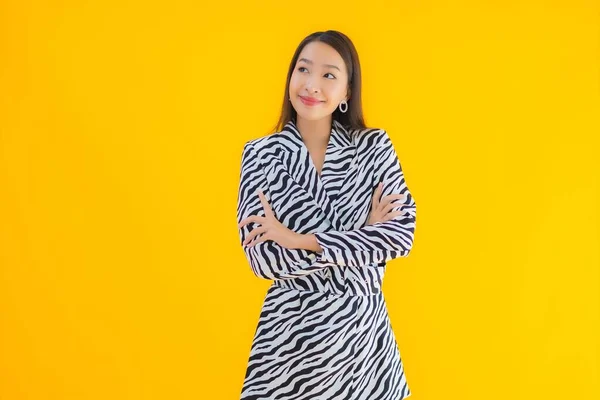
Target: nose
<point>310,88</point>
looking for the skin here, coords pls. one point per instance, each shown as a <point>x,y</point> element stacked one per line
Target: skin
<point>321,73</point>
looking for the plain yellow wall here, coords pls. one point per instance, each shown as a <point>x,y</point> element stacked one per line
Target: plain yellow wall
<point>121,130</point>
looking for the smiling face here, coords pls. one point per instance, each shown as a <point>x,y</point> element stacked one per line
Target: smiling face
<point>320,73</point>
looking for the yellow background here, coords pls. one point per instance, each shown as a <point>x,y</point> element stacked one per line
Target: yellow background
<point>121,130</point>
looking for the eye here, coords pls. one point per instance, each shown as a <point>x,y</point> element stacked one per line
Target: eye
<point>329,73</point>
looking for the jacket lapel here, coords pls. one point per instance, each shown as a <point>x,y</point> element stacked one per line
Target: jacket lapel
<point>338,174</point>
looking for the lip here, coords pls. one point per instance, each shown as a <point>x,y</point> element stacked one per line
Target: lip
<point>310,101</point>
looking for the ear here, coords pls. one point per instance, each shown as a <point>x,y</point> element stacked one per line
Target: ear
<point>348,94</point>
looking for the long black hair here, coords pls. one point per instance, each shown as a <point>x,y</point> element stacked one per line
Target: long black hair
<point>353,117</point>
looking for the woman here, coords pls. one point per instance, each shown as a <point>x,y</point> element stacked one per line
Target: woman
<point>322,206</point>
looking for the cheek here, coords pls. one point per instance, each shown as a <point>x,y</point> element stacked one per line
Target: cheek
<point>295,82</point>
<point>338,91</point>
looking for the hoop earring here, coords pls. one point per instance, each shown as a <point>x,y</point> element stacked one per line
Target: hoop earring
<point>345,103</point>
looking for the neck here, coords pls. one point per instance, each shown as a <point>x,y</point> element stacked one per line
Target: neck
<point>315,132</point>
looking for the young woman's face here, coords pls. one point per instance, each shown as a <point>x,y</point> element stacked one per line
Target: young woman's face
<point>320,73</point>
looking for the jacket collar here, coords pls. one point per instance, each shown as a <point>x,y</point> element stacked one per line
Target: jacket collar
<point>332,189</point>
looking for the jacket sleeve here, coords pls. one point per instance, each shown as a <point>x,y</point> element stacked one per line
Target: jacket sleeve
<point>382,241</point>
<point>267,259</point>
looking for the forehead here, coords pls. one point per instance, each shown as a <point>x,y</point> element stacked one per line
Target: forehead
<point>321,53</point>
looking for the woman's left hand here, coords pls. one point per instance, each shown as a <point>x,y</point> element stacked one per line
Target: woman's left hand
<point>270,227</point>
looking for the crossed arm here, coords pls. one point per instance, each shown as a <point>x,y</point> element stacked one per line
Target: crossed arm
<point>370,244</point>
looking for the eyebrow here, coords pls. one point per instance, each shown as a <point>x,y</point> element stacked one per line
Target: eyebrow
<point>306,60</point>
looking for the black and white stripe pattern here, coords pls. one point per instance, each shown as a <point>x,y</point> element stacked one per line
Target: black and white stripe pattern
<point>324,330</point>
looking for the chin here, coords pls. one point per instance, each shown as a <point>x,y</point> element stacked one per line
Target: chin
<point>311,116</point>
<point>308,113</point>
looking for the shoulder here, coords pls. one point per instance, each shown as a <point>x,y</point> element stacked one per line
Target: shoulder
<point>262,146</point>
<point>262,140</point>
<point>370,137</point>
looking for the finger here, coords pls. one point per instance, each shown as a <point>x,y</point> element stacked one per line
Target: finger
<point>393,215</point>
<point>252,236</point>
<point>258,240</point>
<point>377,195</point>
<point>389,198</point>
<point>253,218</point>
<point>394,196</point>
<point>388,207</point>
<point>265,203</point>
<point>247,221</point>
<point>254,233</point>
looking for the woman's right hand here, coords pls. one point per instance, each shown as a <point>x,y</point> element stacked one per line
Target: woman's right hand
<point>380,210</point>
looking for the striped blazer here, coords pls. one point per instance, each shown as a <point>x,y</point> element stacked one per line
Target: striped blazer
<point>334,206</point>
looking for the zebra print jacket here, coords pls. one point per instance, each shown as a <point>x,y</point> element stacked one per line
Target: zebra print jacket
<point>334,206</point>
